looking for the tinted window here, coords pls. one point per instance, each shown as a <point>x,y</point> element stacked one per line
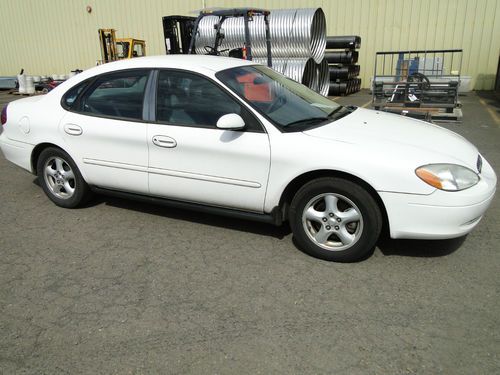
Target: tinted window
<point>289,104</point>
<point>117,95</point>
<point>122,50</point>
<point>138,51</point>
<point>188,99</point>
<point>69,98</point>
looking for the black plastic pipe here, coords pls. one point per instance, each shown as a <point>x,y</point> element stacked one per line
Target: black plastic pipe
<point>342,57</point>
<point>343,71</point>
<point>343,42</point>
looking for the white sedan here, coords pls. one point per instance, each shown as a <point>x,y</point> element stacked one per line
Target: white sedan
<point>236,138</point>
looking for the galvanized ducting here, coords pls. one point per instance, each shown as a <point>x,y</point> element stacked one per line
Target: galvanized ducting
<point>234,32</point>
<point>323,77</point>
<point>300,69</point>
<point>294,33</point>
<point>298,33</point>
<point>298,41</point>
<point>303,70</point>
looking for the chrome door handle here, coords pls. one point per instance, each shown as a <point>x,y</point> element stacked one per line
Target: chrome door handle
<point>164,141</point>
<point>73,129</point>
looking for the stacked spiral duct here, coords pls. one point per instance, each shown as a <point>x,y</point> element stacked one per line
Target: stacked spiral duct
<point>298,33</point>
<point>300,69</point>
<point>298,41</point>
<point>323,77</point>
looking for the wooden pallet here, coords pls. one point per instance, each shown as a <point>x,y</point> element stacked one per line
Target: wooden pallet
<point>428,114</point>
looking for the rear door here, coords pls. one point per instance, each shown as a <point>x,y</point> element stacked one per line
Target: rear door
<point>190,159</point>
<point>105,131</point>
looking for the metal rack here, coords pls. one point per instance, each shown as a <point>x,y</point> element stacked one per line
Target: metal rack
<point>422,84</point>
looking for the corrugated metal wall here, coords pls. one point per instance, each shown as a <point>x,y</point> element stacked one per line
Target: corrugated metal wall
<point>55,36</point>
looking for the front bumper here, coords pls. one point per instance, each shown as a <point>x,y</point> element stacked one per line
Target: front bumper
<point>442,214</point>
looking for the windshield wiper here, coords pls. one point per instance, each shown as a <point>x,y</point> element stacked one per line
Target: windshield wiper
<point>308,121</point>
<point>335,111</point>
<point>338,114</point>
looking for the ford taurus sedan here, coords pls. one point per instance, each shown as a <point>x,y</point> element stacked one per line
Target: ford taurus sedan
<point>236,138</point>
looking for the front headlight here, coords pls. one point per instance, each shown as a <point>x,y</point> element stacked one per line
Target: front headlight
<point>448,177</point>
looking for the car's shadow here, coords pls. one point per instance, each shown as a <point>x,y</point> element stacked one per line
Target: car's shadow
<point>388,246</point>
<point>193,216</point>
<point>419,248</point>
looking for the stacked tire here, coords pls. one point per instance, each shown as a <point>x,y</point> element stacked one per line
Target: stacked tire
<point>342,56</point>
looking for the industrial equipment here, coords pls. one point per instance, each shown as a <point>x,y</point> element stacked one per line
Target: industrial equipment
<point>421,84</point>
<point>113,48</point>
<point>245,51</point>
<point>181,32</point>
<point>296,50</point>
<point>177,31</point>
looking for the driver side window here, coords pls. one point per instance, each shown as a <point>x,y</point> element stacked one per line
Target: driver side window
<point>188,99</point>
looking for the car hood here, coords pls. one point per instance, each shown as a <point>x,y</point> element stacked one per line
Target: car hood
<point>419,140</point>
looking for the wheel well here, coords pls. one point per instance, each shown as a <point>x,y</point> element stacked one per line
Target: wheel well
<point>299,181</point>
<point>36,154</point>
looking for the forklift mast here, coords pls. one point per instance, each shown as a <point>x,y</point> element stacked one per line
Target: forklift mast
<point>107,41</point>
<point>177,31</point>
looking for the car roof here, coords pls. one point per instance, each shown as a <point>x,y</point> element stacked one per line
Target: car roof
<point>188,62</point>
<point>197,63</point>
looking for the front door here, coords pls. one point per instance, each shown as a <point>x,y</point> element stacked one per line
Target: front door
<point>190,159</point>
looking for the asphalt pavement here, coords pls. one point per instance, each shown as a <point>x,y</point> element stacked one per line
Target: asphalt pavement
<point>120,287</point>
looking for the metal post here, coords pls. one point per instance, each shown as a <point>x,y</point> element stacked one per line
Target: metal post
<point>375,79</point>
<point>268,42</point>
<point>247,38</point>
<point>218,38</point>
<point>193,36</point>
<point>459,74</point>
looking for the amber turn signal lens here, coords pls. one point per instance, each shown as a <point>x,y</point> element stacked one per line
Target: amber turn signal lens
<point>429,177</point>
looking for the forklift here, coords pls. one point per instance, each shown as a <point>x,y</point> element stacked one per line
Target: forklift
<point>181,32</point>
<point>113,48</point>
<point>177,32</point>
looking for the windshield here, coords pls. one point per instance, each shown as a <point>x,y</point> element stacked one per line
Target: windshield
<point>122,50</point>
<point>290,105</point>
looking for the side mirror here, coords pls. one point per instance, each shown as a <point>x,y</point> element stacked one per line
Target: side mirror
<point>231,121</point>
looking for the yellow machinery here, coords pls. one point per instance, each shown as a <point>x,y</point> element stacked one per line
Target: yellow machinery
<point>113,49</point>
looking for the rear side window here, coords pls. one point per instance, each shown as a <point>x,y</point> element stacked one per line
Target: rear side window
<point>69,99</point>
<point>118,95</point>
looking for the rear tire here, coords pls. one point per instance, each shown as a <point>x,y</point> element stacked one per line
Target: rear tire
<point>60,178</point>
<point>335,219</point>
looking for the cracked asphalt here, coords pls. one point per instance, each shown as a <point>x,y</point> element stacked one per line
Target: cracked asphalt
<point>120,287</point>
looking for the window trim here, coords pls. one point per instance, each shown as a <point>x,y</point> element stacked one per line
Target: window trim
<point>258,128</point>
<point>76,108</point>
<point>149,104</point>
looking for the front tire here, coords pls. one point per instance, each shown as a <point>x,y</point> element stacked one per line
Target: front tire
<point>60,178</point>
<point>335,219</point>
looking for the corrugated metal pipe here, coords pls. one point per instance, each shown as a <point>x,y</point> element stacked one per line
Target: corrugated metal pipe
<point>303,70</point>
<point>298,41</point>
<point>294,33</point>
